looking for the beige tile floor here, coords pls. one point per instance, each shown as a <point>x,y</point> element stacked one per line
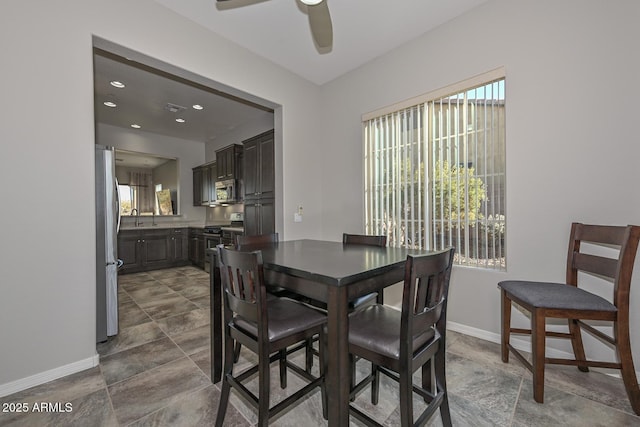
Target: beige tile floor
<point>156,373</point>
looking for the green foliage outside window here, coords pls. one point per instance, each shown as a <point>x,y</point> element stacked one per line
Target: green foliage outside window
<point>458,194</point>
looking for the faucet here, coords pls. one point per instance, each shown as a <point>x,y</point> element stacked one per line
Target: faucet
<point>153,220</point>
<point>137,216</point>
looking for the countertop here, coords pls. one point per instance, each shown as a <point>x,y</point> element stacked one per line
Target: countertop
<point>159,226</point>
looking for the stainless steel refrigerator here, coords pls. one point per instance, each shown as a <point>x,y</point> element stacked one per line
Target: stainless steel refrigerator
<point>107,227</point>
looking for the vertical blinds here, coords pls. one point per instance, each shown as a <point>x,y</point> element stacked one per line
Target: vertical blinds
<point>435,175</point>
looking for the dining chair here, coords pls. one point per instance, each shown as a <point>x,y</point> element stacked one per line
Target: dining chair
<point>265,326</point>
<point>398,343</point>
<point>260,241</point>
<point>360,302</point>
<point>590,262</point>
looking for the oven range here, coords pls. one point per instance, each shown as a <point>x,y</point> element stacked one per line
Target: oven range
<point>212,238</point>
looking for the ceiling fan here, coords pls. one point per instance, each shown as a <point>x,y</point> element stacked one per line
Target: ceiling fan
<point>319,21</point>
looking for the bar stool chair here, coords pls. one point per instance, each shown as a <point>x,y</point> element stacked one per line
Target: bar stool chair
<point>265,326</point>
<point>259,241</point>
<point>358,303</point>
<point>569,301</point>
<point>398,343</point>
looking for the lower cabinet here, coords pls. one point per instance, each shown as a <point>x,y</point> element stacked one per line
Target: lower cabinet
<point>143,250</point>
<point>196,247</point>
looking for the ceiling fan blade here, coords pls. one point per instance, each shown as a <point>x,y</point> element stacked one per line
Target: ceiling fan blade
<point>232,4</point>
<point>321,27</point>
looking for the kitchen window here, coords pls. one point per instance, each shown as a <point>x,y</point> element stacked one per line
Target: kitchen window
<point>435,171</point>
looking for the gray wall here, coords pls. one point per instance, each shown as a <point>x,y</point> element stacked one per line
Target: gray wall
<point>569,157</point>
<point>51,309</point>
<point>571,152</point>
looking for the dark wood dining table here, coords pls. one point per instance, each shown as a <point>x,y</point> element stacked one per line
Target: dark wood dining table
<point>326,271</point>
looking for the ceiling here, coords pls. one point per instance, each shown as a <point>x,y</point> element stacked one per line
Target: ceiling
<point>275,29</point>
<point>150,98</point>
<point>279,30</point>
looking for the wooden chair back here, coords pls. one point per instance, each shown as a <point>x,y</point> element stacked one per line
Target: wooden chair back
<point>256,240</point>
<point>363,239</point>
<point>242,278</point>
<point>424,297</point>
<point>618,270</point>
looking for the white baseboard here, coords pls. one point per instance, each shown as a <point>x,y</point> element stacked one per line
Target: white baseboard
<point>50,375</point>
<point>520,344</point>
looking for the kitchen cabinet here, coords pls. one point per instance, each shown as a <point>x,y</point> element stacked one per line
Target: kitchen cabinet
<point>129,251</point>
<point>259,217</point>
<point>198,176</point>
<point>152,249</point>
<point>196,246</point>
<point>180,245</point>
<point>259,184</point>
<point>204,179</point>
<point>209,183</point>
<point>227,159</point>
<point>259,167</point>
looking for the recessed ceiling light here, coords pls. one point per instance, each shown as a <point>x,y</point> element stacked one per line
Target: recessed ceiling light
<point>198,107</point>
<point>311,2</point>
<point>116,83</point>
<point>135,126</point>
<point>179,120</point>
<point>110,104</point>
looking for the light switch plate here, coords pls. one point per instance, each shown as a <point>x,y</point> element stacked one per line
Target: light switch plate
<point>297,217</point>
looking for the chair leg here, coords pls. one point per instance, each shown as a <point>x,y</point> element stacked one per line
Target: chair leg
<point>441,381</point>
<point>427,378</point>
<point>283,368</point>
<point>538,335</point>
<point>308,364</point>
<point>576,343</point>
<point>628,371</point>
<point>352,364</point>
<point>263,387</point>
<point>226,387</point>
<point>406,397</point>
<point>236,352</point>
<point>224,402</point>
<point>322,349</point>
<point>375,384</point>
<point>506,326</point>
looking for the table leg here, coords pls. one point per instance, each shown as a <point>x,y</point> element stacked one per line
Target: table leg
<point>338,375</point>
<point>215,298</point>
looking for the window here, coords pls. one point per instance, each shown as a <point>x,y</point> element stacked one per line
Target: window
<point>435,172</point>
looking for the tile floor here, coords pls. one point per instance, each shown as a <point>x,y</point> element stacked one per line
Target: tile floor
<point>156,373</point>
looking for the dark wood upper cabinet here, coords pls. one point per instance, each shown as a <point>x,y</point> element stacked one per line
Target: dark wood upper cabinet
<point>259,184</point>
<point>197,185</point>
<point>259,167</point>
<point>204,188</point>
<point>227,162</point>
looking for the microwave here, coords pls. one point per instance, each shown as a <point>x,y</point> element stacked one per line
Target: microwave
<point>226,191</point>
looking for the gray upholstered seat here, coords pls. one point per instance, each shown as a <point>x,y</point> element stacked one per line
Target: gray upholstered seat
<point>555,296</point>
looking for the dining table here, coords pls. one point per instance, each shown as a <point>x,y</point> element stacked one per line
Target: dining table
<point>328,271</point>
